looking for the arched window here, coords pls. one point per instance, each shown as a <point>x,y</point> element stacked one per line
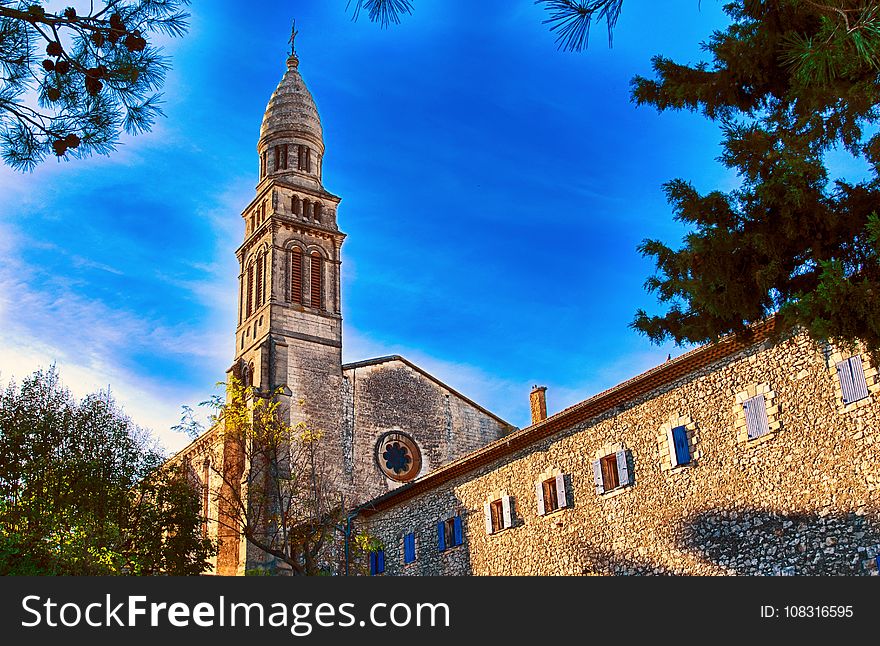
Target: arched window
<point>249,300</point>
<point>307,210</point>
<point>296,205</point>
<point>260,291</point>
<point>317,281</point>
<point>263,157</point>
<point>318,211</point>
<point>296,275</point>
<point>304,155</point>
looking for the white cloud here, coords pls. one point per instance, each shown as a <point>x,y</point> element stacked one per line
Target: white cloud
<point>91,345</point>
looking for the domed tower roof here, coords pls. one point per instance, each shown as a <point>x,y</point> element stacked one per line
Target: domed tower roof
<point>291,111</point>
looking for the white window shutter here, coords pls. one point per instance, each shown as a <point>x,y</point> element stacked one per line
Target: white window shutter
<point>844,374</point>
<point>539,494</point>
<point>560,491</point>
<point>673,458</point>
<point>506,506</point>
<point>597,477</point>
<point>487,512</point>
<point>859,384</point>
<point>622,468</point>
<point>756,417</point>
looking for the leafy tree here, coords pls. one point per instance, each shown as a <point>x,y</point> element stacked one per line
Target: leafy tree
<point>81,491</point>
<point>274,484</point>
<point>789,82</point>
<point>71,82</point>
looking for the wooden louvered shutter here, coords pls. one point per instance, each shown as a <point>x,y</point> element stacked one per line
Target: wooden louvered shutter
<point>597,476</point>
<point>756,417</point>
<point>456,530</point>
<point>317,281</point>
<point>622,469</point>
<point>560,491</point>
<point>250,292</point>
<point>851,374</point>
<point>539,494</point>
<point>507,510</point>
<point>380,561</point>
<point>679,451</point>
<point>296,275</point>
<point>260,262</point>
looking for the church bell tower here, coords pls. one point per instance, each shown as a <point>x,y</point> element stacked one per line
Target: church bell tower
<point>289,333</point>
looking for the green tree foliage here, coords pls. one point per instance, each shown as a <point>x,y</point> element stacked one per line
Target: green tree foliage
<point>72,82</point>
<point>275,483</point>
<point>81,491</point>
<point>789,82</point>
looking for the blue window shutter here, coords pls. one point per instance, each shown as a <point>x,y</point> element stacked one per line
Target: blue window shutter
<point>457,530</point>
<point>507,509</point>
<point>859,384</point>
<point>539,495</point>
<point>681,448</point>
<point>409,548</point>
<point>380,561</point>
<point>622,468</point>
<point>597,476</point>
<point>560,491</point>
<point>373,563</point>
<point>756,417</point>
<point>441,536</point>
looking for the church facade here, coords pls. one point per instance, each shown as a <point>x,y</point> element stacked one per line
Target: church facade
<point>749,456</point>
<point>384,421</point>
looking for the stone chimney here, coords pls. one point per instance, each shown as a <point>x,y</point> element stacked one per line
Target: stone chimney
<point>538,400</point>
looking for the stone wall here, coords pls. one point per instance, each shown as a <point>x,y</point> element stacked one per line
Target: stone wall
<point>801,499</point>
<point>390,394</point>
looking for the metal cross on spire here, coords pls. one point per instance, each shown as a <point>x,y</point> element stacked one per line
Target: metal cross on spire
<point>293,33</point>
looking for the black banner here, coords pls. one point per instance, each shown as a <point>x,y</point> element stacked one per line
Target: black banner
<point>435,610</point>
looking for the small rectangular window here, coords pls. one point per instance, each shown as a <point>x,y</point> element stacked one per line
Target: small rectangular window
<point>851,374</point>
<point>679,450</point>
<point>497,515</point>
<point>377,562</point>
<point>551,496</point>
<point>610,478</point>
<point>449,533</point>
<point>409,548</point>
<point>756,416</point>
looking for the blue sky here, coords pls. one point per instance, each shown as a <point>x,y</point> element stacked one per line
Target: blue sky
<point>494,192</point>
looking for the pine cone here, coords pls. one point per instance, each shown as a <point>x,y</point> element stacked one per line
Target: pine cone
<point>48,65</point>
<point>54,49</point>
<point>53,94</point>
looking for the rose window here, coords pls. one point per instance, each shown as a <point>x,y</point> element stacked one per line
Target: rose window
<point>398,456</point>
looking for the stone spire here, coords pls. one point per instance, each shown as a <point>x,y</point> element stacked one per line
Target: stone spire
<point>291,113</point>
